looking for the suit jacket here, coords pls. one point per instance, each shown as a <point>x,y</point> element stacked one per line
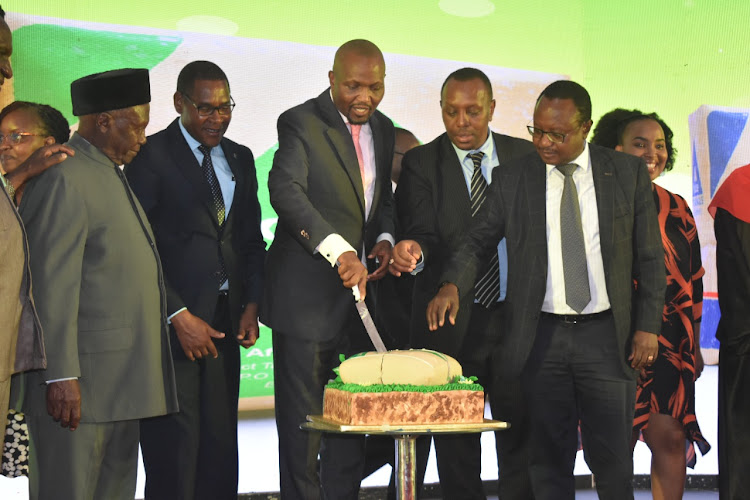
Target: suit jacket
<point>172,188</point>
<point>316,190</point>
<point>21,345</point>
<point>630,245</point>
<point>99,291</point>
<point>733,276</point>
<point>434,208</point>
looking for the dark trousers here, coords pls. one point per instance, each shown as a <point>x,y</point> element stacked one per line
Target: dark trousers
<point>508,403</point>
<point>574,373</point>
<point>192,454</point>
<point>734,421</point>
<point>459,456</point>
<point>301,370</point>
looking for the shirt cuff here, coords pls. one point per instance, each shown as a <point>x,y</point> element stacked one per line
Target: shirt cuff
<point>178,311</point>
<point>420,266</point>
<point>60,380</point>
<point>332,247</point>
<point>386,236</point>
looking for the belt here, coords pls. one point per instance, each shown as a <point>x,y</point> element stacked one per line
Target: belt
<point>573,319</point>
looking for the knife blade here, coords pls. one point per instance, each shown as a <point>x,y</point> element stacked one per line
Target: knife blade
<point>364,315</point>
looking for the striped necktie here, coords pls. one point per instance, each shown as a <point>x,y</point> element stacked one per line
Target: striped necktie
<point>487,287</point>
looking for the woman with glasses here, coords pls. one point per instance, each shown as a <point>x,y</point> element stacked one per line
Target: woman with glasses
<point>665,399</point>
<point>26,127</point>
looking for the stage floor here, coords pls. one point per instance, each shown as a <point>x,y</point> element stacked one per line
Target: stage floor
<point>259,455</point>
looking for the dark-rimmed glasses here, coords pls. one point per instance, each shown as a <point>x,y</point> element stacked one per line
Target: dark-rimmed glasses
<point>204,110</point>
<point>555,137</point>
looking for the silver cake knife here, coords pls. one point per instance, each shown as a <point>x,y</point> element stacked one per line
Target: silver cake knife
<point>364,315</point>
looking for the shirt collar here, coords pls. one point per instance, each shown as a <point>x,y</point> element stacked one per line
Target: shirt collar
<point>583,160</point>
<point>488,148</point>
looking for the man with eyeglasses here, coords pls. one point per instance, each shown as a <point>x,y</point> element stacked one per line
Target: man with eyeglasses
<point>581,228</point>
<point>199,190</point>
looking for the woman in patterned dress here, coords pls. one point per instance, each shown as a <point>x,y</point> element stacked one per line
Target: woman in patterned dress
<point>665,399</point>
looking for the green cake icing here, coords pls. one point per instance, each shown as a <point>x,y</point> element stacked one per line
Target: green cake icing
<point>459,384</point>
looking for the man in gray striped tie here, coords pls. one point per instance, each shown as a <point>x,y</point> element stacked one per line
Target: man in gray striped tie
<point>442,187</point>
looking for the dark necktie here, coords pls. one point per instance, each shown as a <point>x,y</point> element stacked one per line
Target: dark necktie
<point>487,287</point>
<point>575,270</point>
<point>218,200</point>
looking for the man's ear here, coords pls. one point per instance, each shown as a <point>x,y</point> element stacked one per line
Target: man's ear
<point>104,121</point>
<point>49,141</point>
<point>177,100</point>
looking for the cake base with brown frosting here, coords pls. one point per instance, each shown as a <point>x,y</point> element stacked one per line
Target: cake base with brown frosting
<point>403,407</point>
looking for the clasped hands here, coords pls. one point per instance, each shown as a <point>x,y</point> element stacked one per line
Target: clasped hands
<point>195,335</point>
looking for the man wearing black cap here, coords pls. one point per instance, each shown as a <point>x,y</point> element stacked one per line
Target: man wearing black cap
<point>200,193</point>
<point>101,301</point>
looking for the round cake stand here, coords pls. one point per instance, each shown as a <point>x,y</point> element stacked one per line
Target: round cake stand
<point>406,437</point>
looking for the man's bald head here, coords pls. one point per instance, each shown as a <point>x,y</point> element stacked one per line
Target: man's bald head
<point>357,80</point>
<point>359,47</point>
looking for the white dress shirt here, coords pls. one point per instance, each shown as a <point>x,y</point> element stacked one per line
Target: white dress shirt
<point>554,298</point>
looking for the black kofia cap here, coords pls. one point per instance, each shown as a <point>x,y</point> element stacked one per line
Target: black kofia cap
<point>116,89</point>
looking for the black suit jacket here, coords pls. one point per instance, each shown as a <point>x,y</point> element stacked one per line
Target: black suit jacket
<point>630,245</point>
<point>434,209</point>
<point>316,190</point>
<point>173,190</point>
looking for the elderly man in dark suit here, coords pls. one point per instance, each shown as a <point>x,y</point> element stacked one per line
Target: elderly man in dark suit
<point>199,190</point>
<point>441,188</point>
<point>330,184</point>
<point>581,228</point>
<point>101,302</point>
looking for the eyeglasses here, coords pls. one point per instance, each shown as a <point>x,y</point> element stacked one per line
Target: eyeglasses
<point>555,137</point>
<point>16,137</point>
<point>204,111</point>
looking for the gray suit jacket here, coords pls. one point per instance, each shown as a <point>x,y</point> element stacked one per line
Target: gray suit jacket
<point>434,209</point>
<point>316,190</point>
<point>99,291</point>
<point>630,244</point>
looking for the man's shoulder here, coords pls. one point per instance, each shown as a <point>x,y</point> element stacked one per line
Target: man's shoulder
<point>231,147</point>
<point>309,108</point>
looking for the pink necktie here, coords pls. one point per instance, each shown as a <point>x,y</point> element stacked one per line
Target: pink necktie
<point>360,159</point>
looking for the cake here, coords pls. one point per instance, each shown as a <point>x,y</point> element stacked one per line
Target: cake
<point>402,388</point>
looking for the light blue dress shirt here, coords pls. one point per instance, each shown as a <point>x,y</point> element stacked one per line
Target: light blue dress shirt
<point>489,162</point>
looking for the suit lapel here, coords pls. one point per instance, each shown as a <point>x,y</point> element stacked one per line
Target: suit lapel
<point>536,192</point>
<point>189,167</point>
<point>454,182</point>
<point>342,145</point>
<point>382,164</point>
<point>602,168</point>
<point>234,165</point>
